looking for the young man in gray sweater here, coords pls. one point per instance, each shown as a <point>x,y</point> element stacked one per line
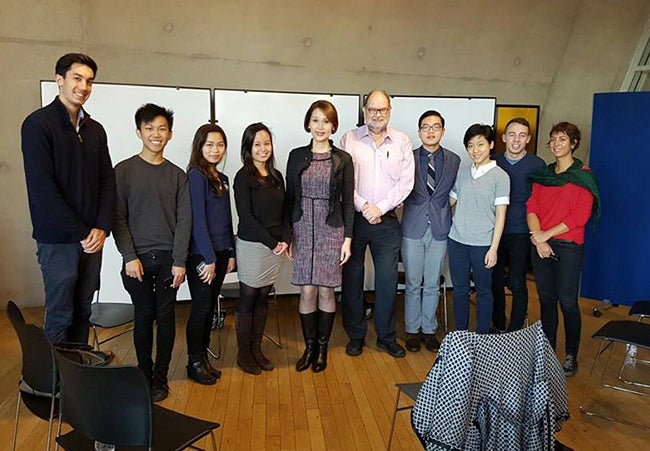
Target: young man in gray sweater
<point>152,231</point>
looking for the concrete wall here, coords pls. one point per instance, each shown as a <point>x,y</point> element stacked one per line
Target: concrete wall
<point>554,53</point>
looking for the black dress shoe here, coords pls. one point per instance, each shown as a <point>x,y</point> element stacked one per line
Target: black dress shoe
<point>354,347</point>
<point>198,373</point>
<point>413,342</point>
<point>394,349</point>
<point>431,343</point>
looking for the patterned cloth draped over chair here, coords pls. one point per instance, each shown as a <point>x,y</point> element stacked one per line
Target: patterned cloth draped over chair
<point>505,392</point>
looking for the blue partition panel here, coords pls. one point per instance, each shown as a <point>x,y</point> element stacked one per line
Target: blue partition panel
<point>616,258</point>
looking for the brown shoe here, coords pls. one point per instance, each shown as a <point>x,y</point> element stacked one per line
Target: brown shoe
<point>413,342</point>
<point>431,343</point>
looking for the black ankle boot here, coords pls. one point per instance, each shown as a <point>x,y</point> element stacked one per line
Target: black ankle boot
<point>197,372</point>
<point>309,322</point>
<point>325,324</point>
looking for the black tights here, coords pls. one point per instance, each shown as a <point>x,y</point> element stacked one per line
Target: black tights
<point>252,298</point>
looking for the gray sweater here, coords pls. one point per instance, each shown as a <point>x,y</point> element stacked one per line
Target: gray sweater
<point>152,209</point>
<point>473,221</point>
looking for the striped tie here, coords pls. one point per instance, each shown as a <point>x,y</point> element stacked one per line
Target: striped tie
<point>431,176</point>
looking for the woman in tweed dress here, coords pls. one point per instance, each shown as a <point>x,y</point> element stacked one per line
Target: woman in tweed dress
<point>320,190</point>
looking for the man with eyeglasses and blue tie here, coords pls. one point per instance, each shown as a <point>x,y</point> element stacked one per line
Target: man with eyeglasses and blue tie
<point>383,178</point>
<point>425,226</point>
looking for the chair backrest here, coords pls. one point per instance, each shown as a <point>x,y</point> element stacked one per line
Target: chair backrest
<point>110,404</point>
<point>39,369</point>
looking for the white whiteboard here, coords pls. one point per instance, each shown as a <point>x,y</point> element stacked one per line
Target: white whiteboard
<point>114,107</point>
<point>459,114</point>
<point>283,113</point>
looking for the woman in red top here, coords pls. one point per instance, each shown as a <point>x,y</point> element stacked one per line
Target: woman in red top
<point>564,195</point>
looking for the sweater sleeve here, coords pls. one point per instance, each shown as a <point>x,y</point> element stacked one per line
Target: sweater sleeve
<point>198,186</point>
<point>183,228</point>
<point>107,194</point>
<point>532,205</point>
<point>121,232</point>
<point>43,190</point>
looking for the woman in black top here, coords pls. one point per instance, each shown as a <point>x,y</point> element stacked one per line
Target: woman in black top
<point>262,238</point>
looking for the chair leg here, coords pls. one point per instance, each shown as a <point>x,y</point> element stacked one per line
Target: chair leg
<point>95,338</point>
<point>392,423</point>
<point>13,443</point>
<point>214,441</point>
<point>217,355</point>
<point>277,342</point>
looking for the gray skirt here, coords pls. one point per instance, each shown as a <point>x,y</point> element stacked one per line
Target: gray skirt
<point>257,265</point>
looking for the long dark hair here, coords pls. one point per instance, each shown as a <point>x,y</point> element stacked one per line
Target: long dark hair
<point>247,155</point>
<point>198,162</point>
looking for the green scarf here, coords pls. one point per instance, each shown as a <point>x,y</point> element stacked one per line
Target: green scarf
<point>578,174</point>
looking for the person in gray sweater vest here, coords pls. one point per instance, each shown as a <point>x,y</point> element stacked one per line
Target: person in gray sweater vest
<point>481,196</point>
<point>152,228</point>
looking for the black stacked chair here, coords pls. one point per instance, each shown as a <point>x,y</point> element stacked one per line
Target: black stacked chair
<point>38,388</point>
<point>112,404</point>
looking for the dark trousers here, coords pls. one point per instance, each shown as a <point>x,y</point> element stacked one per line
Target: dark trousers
<point>559,281</point>
<point>204,301</point>
<point>384,240</point>
<point>153,300</point>
<point>514,253</point>
<point>70,277</point>
<point>466,261</point>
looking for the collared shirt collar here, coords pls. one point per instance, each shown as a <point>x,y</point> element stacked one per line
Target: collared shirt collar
<point>482,170</point>
<point>363,132</point>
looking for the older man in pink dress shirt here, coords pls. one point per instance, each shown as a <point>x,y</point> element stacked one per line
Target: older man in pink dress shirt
<point>383,178</point>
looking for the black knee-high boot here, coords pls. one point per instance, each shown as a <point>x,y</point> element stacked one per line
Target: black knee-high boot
<point>309,322</point>
<point>325,325</point>
<point>245,358</point>
<point>257,333</point>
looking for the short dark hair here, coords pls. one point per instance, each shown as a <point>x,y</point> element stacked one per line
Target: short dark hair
<point>518,120</point>
<point>478,129</point>
<point>328,110</point>
<point>428,113</point>
<point>571,130</point>
<point>149,111</point>
<point>64,63</point>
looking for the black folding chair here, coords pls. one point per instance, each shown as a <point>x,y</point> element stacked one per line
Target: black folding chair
<point>108,315</point>
<point>411,391</point>
<point>112,404</point>
<point>38,386</point>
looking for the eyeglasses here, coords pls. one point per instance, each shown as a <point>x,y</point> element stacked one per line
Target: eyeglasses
<point>382,111</point>
<point>430,128</point>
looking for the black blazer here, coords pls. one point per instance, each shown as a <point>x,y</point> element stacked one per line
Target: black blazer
<point>341,199</point>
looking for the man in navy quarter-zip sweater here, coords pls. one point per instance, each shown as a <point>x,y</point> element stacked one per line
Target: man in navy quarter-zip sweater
<point>425,225</point>
<point>71,191</point>
<point>514,248</point>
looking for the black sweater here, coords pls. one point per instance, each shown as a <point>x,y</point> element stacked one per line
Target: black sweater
<point>70,178</point>
<point>260,209</point>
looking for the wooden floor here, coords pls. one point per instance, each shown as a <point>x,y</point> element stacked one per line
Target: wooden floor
<point>347,407</point>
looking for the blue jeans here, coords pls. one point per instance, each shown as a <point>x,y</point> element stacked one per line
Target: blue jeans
<point>70,277</point>
<point>423,259</point>
<point>153,299</point>
<point>384,240</point>
<point>514,253</point>
<point>559,281</point>
<point>466,261</point>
